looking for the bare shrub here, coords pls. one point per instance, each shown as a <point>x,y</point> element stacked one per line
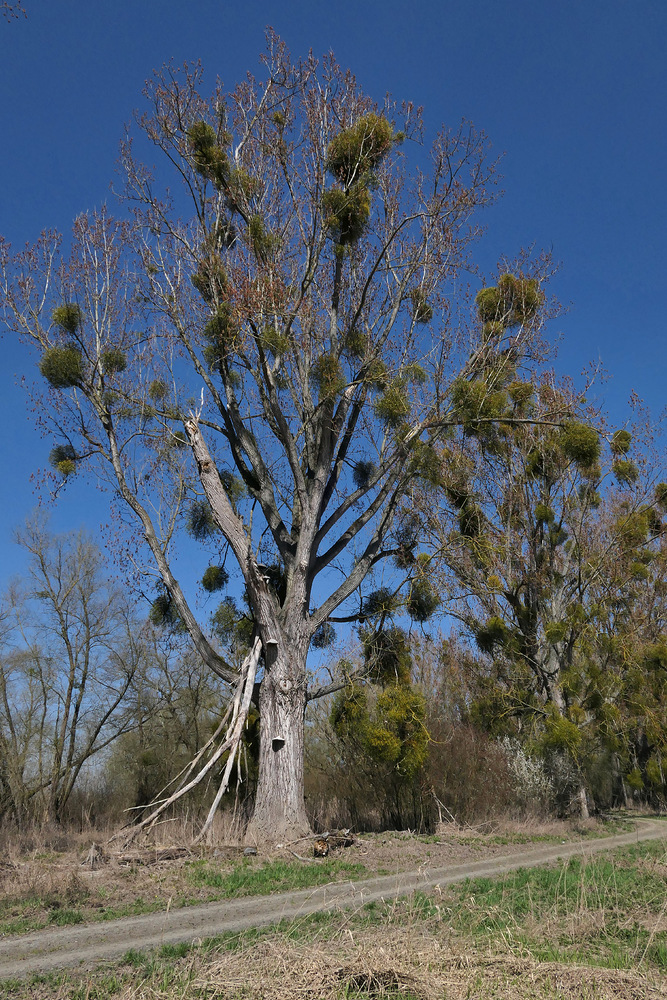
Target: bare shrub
<point>469,773</point>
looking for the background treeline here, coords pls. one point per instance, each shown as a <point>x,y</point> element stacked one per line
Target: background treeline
<point>546,547</point>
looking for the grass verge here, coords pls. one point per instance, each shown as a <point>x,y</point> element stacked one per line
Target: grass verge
<point>39,907</point>
<point>586,928</point>
<point>247,879</point>
<point>51,887</point>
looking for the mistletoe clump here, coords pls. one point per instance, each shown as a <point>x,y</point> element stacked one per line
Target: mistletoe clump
<point>563,735</point>
<point>580,443</point>
<point>511,302</point>
<point>398,735</point>
<point>474,401</point>
<point>233,485</point>
<point>327,375</point>
<point>346,213</point>
<point>113,361</point>
<point>423,600</point>
<point>214,578</point>
<point>68,317</point>
<point>382,601</point>
<point>620,442</point>
<point>219,331</point>
<point>493,633</point>
<point>422,311</point>
<point>324,637</point>
<point>62,367</point>
<point>63,459</point>
<point>555,631</point>
<point>471,519</point>
<point>626,472</point>
<point>164,613</point>
<point>387,656</point>
<point>261,240</point>
<point>157,390</point>
<point>392,734</point>
<point>274,342</point>
<point>200,522</point>
<point>210,279</point>
<point>393,406</point>
<point>242,187</point>
<point>208,157</point>
<point>426,464</point>
<point>231,625</point>
<point>359,149</point>
<point>362,473</point>
<point>520,393</point>
<point>356,344</point>
<point>349,711</point>
<point>544,514</point>
<point>352,157</point>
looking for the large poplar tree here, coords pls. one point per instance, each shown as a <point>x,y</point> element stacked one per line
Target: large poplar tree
<point>265,352</point>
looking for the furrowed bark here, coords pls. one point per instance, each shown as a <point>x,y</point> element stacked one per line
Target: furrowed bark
<point>280,812</point>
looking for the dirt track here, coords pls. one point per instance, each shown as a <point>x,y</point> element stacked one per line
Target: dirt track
<point>81,946</point>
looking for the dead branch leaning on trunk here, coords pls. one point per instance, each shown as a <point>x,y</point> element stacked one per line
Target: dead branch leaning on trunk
<point>232,741</point>
<point>243,695</point>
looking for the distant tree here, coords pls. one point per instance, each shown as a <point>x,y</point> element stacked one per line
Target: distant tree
<point>267,355</point>
<point>552,530</point>
<point>627,649</point>
<point>70,652</point>
<point>381,725</point>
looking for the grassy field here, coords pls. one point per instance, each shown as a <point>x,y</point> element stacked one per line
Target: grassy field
<point>586,928</point>
<point>44,887</point>
<point>70,900</point>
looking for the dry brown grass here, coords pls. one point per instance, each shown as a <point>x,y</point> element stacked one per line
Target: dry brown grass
<point>409,962</point>
<point>54,839</point>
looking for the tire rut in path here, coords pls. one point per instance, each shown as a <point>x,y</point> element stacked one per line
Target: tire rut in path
<point>80,946</point>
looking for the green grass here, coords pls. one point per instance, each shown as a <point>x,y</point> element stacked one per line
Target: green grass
<point>601,911</point>
<point>64,918</point>
<point>22,925</point>
<point>610,881</point>
<point>247,879</point>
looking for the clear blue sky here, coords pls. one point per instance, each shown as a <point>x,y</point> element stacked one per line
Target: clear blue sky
<point>573,92</point>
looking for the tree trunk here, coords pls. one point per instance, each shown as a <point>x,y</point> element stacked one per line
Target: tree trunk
<point>582,802</point>
<point>280,813</point>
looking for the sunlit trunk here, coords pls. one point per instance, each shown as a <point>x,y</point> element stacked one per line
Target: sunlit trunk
<point>280,814</point>
<point>581,802</point>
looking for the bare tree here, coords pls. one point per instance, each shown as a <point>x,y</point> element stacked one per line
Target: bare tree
<point>265,353</point>
<point>71,649</point>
